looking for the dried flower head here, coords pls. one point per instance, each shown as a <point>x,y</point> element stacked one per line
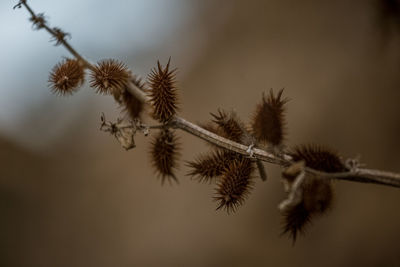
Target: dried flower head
<point>139,83</point>
<point>210,126</point>
<point>66,77</point>
<point>162,92</point>
<point>235,185</point>
<point>164,154</point>
<point>295,220</point>
<point>109,76</point>
<point>316,192</point>
<point>206,167</point>
<point>318,157</point>
<point>269,119</point>
<point>214,164</point>
<point>129,102</point>
<point>229,126</point>
<point>317,199</point>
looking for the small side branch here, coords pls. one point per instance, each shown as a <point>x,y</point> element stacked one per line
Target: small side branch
<point>363,176</point>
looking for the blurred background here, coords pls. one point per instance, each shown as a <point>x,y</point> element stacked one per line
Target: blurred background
<point>71,196</point>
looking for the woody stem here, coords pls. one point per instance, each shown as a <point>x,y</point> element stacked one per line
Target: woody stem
<point>356,175</point>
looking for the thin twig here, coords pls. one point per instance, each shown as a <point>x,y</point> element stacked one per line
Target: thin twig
<point>355,175</point>
<point>295,195</point>
<point>62,41</point>
<point>362,175</point>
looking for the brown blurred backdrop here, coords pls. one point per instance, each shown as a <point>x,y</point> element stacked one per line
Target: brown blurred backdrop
<point>81,200</point>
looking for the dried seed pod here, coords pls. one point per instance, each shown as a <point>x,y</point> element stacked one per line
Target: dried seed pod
<point>129,102</point>
<point>318,157</point>
<point>229,126</point>
<point>206,167</point>
<point>214,128</point>
<point>109,77</point>
<point>317,199</point>
<point>214,164</point>
<point>295,219</point>
<point>210,126</point>
<point>217,162</point>
<point>164,154</point>
<point>139,83</point>
<point>235,185</point>
<point>66,77</point>
<point>162,92</point>
<point>269,119</point>
<point>316,192</point>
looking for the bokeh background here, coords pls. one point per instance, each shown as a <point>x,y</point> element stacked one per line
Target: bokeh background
<point>71,196</point>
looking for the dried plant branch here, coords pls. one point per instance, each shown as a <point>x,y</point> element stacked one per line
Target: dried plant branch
<point>55,32</point>
<point>309,188</point>
<point>362,175</point>
<point>356,175</point>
